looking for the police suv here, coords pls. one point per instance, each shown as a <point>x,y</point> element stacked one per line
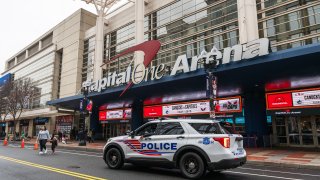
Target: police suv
<point>193,146</point>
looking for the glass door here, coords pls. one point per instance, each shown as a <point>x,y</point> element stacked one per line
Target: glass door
<point>317,130</point>
<point>293,130</point>
<point>306,127</point>
<point>281,133</point>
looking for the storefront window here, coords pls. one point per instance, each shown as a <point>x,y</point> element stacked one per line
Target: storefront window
<point>306,131</point>
<point>293,130</point>
<point>281,129</point>
<point>318,129</point>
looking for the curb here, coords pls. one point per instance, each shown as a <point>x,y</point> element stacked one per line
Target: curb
<point>284,165</point>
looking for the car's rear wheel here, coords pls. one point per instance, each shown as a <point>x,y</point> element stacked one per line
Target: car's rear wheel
<point>114,158</point>
<point>191,165</point>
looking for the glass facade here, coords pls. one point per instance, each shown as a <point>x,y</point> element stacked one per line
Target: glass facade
<point>40,72</point>
<point>182,27</point>
<point>289,23</point>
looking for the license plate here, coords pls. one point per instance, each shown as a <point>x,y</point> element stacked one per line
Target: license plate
<point>239,144</point>
<point>239,152</point>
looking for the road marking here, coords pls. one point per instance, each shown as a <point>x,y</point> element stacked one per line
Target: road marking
<point>276,177</point>
<point>48,168</point>
<point>284,172</point>
<point>91,154</point>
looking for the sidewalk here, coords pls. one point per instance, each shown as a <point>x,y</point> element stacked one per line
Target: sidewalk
<point>276,157</point>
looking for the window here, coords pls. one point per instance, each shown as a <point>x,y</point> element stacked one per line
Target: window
<point>171,129</point>
<point>147,129</point>
<point>207,128</point>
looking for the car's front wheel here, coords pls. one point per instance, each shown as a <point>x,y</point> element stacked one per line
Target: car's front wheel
<point>191,165</point>
<point>114,158</point>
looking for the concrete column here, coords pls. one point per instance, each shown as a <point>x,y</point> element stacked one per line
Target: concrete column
<point>7,128</point>
<point>15,60</point>
<point>139,29</point>
<point>40,45</point>
<point>30,128</point>
<point>27,53</point>
<point>17,126</point>
<point>98,53</point>
<point>248,20</point>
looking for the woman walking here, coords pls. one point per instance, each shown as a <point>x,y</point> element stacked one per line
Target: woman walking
<point>43,137</point>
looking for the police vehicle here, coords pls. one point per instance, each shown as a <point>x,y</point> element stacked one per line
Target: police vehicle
<point>193,146</point>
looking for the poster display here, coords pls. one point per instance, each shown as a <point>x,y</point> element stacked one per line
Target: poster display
<point>306,98</point>
<point>186,108</point>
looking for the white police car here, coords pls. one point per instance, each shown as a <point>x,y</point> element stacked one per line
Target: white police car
<point>193,146</point>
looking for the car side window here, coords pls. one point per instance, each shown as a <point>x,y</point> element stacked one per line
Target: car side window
<point>170,129</point>
<point>147,129</point>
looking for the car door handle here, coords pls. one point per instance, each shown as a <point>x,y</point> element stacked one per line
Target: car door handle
<point>180,137</point>
<point>147,138</point>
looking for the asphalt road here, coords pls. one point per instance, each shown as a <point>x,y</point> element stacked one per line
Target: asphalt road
<point>17,163</point>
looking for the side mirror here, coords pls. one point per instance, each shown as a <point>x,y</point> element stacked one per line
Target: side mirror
<point>132,134</point>
<point>128,132</point>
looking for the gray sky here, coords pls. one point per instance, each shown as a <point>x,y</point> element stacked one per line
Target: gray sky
<point>23,21</point>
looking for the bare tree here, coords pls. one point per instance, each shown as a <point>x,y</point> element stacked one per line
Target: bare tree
<point>17,96</point>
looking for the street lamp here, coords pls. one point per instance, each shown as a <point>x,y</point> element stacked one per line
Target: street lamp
<point>211,80</point>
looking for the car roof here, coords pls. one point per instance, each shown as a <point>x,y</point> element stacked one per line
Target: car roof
<point>188,120</point>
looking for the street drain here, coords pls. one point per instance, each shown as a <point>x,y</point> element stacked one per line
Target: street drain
<point>74,167</point>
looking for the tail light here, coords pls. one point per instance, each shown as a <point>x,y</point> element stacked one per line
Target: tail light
<point>224,141</point>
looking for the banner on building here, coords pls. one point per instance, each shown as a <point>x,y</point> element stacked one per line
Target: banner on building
<point>306,98</point>
<point>229,105</point>
<point>186,108</point>
<point>115,114</point>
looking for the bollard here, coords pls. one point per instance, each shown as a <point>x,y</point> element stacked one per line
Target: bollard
<point>35,146</point>
<point>5,142</point>
<point>22,143</point>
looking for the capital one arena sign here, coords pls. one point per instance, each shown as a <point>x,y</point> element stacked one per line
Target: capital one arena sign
<point>144,72</point>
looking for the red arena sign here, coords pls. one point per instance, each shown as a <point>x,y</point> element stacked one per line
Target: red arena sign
<point>102,115</point>
<point>152,111</point>
<point>278,101</point>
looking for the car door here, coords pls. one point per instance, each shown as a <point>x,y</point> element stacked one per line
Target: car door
<point>168,139</point>
<point>138,143</point>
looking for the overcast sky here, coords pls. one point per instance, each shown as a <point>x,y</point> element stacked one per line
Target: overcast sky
<point>23,21</point>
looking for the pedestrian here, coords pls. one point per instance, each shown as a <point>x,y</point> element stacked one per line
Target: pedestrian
<point>93,133</point>
<point>89,136</point>
<point>43,137</point>
<point>54,143</point>
<point>60,135</point>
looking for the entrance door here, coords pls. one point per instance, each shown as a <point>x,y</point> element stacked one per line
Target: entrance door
<point>317,130</point>
<point>306,131</point>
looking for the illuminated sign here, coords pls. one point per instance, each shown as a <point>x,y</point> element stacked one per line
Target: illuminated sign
<point>229,105</point>
<point>306,98</point>
<point>152,111</point>
<point>143,72</point>
<point>102,115</point>
<point>186,108</point>
<point>280,100</point>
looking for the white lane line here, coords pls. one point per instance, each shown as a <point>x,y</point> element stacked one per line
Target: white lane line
<point>284,172</point>
<point>261,175</point>
<point>81,153</point>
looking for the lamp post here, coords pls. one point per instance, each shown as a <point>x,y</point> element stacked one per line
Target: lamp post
<point>211,81</point>
<point>82,121</point>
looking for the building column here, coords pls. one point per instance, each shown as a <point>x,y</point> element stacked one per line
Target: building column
<point>137,114</point>
<point>98,53</point>
<point>247,20</point>
<point>139,28</point>
<point>30,128</point>
<point>255,115</point>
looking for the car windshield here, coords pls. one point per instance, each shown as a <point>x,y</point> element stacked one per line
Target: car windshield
<point>209,128</point>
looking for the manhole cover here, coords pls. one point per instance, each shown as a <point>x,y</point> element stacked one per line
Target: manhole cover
<point>74,167</point>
